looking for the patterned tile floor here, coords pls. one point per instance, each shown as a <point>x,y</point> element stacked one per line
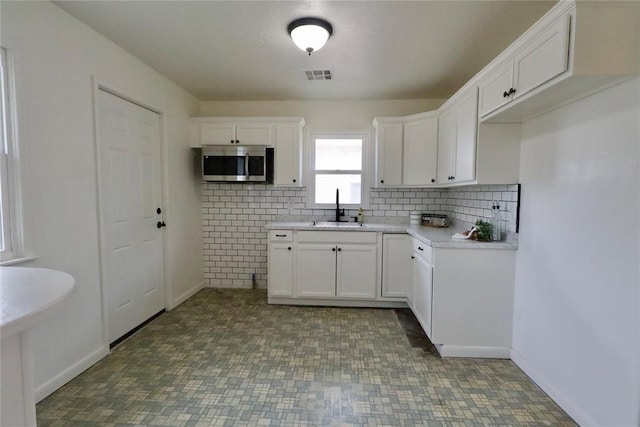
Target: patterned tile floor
<point>226,358</point>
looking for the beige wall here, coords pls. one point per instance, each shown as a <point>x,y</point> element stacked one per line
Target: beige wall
<point>56,59</point>
<point>321,115</point>
<point>577,299</point>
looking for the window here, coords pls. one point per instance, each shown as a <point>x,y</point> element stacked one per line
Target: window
<point>9,238</point>
<point>337,162</point>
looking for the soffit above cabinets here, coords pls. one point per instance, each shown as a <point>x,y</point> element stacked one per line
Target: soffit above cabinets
<point>240,50</point>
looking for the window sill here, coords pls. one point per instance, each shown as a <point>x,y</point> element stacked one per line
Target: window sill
<point>16,261</point>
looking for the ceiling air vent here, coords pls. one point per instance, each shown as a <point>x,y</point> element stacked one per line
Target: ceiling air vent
<point>323,74</point>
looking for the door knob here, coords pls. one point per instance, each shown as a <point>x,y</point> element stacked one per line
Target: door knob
<point>161,224</point>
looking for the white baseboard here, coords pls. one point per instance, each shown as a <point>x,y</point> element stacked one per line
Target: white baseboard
<point>328,302</point>
<point>70,373</point>
<point>573,410</point>
<point>473,351</point>
<point>185,295</point>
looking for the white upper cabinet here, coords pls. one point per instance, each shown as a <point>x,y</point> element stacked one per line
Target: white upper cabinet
<point>494,89</point>
<point>446,146</point>
<point>227,131</point>
<point>288,153</point>
<point>253,133</point>
<point>283,133</point>
<point>457,135</point>
<point>572,51</point>
<point>215,134</point>
<point>406,150</point>
<point>466,137</point>
<point>542,59</point>
<point>389,133</point>
<point>420,150</point>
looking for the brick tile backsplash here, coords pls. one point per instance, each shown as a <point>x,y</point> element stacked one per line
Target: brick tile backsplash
<point>234,216</point>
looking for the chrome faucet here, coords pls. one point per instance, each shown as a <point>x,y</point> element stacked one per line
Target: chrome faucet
<point>339,212</point>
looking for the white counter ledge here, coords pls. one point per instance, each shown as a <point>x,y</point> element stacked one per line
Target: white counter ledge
<point>27,295</point>
<point>434,237</point>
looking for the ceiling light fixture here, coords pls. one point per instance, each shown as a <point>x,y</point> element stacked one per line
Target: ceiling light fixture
<point>310,34</point>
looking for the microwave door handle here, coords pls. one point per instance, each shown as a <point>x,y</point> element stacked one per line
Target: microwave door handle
<point>246,165</point>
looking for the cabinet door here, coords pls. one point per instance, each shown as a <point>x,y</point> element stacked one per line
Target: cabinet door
<point>217,133</point>
<point>356,271</point>
<point>397,273</point>
<point>466,136</point>
<point>253,133</point>
<point>492,88</point>
<point>543,58</point>
<point>420,152</point>
<point>287,155</point>
<point>389,155</point>
<point>316,273</point>
<point>280,273</point>
<point>446,146</point>
<point>422,293</point>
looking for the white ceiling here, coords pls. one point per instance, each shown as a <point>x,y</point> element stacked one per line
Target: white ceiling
<point>240,50</point>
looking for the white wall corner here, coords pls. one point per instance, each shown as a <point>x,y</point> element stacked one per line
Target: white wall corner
<point>45,389</point>
<point>185,295</point>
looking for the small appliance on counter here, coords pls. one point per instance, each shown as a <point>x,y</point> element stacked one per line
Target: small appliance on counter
<point>435,220</point>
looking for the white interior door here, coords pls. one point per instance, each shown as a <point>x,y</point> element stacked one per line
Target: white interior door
<point>130,202</point>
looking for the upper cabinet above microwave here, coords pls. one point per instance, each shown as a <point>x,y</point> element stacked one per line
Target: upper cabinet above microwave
<point>282,133</point>
<point>575,49</point>
<point>221,131</point>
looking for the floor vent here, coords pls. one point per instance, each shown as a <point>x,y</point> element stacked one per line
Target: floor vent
<point>323,74</point>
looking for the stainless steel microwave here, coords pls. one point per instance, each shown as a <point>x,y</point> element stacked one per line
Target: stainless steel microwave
<point>237,164</point>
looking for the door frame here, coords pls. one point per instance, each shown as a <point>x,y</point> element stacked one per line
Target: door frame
<point>98,86</point>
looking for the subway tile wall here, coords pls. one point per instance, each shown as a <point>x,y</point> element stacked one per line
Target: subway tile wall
<point>234,216</point>
<point>470,203</point>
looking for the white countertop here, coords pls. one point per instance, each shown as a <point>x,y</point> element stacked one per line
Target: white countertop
<point>29,294</point>
<point>434,237</point>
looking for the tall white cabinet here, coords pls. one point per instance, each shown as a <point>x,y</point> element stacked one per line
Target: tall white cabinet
<point>457,132</point>
<point>389,132</point>
<point>288,152</point>
<point>420,149</point>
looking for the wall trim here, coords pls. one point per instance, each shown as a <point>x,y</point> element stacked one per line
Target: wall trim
<point>574,411</point>
<point>185,295</point>
<point>48,387</point>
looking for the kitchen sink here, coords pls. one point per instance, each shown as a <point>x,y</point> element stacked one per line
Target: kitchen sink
<point>337,224</point>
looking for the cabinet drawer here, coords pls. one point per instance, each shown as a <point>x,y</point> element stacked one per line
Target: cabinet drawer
<point>337,236</point>
<point>280,235</point>
<point>422,250</point>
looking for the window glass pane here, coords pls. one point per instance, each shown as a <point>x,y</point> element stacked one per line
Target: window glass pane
<point>349,186</point>
<point>338,154</point>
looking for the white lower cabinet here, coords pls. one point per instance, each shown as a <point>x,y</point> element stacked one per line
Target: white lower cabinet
<point>356,271</point>
<point>327,265</point>
<point>280,273</point>
<point>463,299</point>
<point>397,275</point>
<point>422,301</point>
<point>316,270</point>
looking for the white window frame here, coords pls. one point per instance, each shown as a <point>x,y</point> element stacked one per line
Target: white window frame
<point>11,218</point>
<point>365,136</point>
